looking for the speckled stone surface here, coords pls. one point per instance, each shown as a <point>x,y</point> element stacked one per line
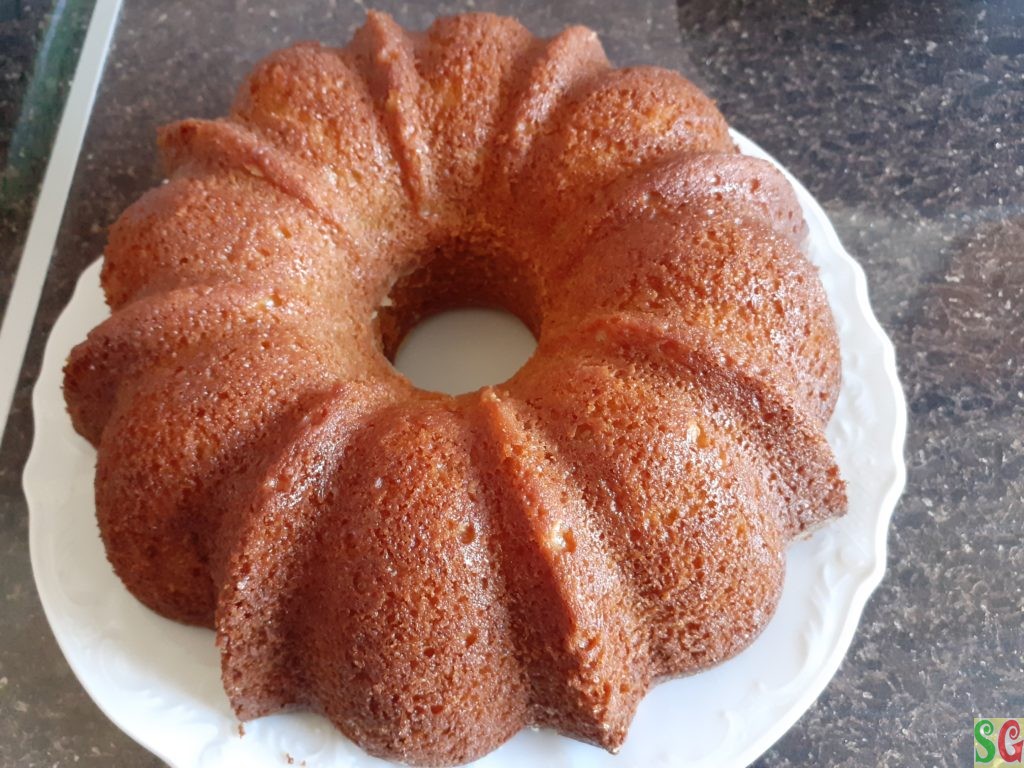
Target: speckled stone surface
<point>39,45</point>
<point>904,119</point>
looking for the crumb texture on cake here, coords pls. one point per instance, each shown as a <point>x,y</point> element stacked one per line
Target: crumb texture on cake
<point>434,573</point>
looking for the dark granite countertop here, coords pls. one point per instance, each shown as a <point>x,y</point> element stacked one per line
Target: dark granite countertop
<point>904,119</point>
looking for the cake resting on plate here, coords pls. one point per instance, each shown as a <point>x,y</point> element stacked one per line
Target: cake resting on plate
<point>434,573</point>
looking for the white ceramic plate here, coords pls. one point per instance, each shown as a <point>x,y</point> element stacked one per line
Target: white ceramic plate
<point>160,682</point>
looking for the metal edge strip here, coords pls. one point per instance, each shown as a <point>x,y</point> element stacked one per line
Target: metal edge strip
<point>49,212</point>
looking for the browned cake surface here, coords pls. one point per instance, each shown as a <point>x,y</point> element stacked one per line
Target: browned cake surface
<point>435,573</point>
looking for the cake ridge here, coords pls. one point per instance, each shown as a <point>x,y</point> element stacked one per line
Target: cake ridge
<point>644,537</point>
<point>156,525</point>
<point>263,677</point>
<point>301,101</point>
<point>727,273</point>
<point>558,533</point>
<point>674,182</point>
<point>469,67</point>
<point>217,141</point>
<point>552,64</point>
<point>144,253</point>
<point>408,639</point>
<point>123,348</point>
<point>389,69</point>
<point>626,119</point>
<point>695,350</point>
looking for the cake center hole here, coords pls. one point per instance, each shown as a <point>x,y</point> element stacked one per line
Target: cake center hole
<point>462,350</point>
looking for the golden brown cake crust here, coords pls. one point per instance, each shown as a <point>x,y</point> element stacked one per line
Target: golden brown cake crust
<point>435,573</point>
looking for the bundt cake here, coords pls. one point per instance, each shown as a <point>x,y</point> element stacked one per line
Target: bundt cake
<point>433,573</point>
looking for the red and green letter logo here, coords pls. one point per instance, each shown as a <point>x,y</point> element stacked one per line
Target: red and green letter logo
<point>997,741</point>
